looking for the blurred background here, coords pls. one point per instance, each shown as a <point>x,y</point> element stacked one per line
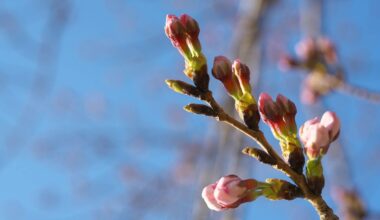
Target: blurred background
<point>89,130</point>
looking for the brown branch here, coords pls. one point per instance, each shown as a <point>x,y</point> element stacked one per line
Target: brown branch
<point>324,211</point>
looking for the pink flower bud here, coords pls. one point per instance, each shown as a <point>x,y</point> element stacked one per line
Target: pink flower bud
<point>228,192</point>
<point>222,70</point>
<point>242,72</point>
<point>289,110</point>
<point>209,198</point>
<point>317,135</point>
<point>190,24</point>
<point>287,106</point>
<point>269,110</point>
<point>308,94</point>
<point>330,121</point>
<point>176,32</point>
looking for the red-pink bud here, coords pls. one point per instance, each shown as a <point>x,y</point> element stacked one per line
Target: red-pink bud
<point>268,109</point>
<point>287,106</point>
<point>190,24</point>
<point>176,32</point>
<point>222,70</point>
<point>289,110</point>
<point>242,72</point>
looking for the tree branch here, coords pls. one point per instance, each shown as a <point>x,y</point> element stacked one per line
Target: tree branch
<point>324,211</point>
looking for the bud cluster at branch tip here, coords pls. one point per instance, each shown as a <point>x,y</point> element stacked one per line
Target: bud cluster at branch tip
<point>319,58</point>
<point>183,32</point>
<point>317,135</point>
<point>235,78</point>
<point>280,115</point>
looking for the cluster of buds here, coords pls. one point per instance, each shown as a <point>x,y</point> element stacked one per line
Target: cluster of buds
<point>231,191</point>
<point>235,78</point>
<point>317,135</point>
<point>280,115</point>
<point>319,58</point>
<point>183,32</point>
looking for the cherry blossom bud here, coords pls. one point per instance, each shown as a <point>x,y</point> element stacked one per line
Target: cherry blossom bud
<point>229,192</point>
<point>183,33</point>
<point>280,116</point>
<point>241,71</point>
<point>289,110</point>
<point>316,135</point>
<point>222,70</point>
<point>192,29</point>
<point>269,110</point>
<point>330,121</point>
<point>176,32</point>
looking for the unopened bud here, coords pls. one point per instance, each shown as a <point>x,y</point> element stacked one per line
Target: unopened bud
<point>230,192</point>
<point>280,116</point>
<point>176,32</point>
<point>260,155</point>
<point>200,109</point>
<point>242,72</point>
<point>281,189</point>
<point>222,70</point>
<point>317,135</point>
<point>190,24</point>
<point>183,88</point>
<point>289,110</point>
<point>269,110</point>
